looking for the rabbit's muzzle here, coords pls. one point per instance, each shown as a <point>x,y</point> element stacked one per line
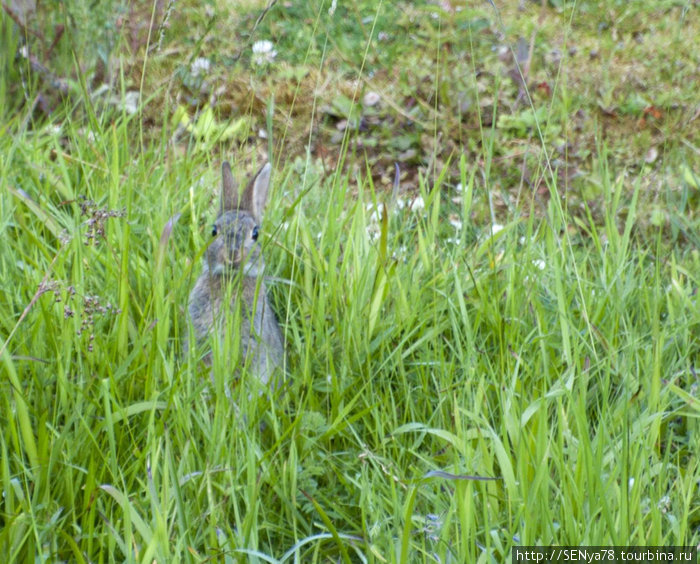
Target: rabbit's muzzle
<point>228,254</point>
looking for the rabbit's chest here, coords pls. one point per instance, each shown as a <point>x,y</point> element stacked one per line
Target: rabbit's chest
<point>225,305</point>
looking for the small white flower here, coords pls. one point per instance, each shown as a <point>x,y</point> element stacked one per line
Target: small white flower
<point>664,504</point>
<point>131,102</point>
<point>455,221</point>
<point>539,263</point>
<point>495,228</point>
<point>459,187</point>
<point>263,52</point>
<point>263,47</point>
<point>400,253</point>
<point>199,66</point>
<point>375,217</point>
<point>417,204</point>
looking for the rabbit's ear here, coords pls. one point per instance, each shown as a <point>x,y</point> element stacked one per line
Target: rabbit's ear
<point>229,189</point>
<point>255,194</point>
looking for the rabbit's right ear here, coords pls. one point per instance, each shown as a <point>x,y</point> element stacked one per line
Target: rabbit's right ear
<point>229,189</point>
<point>255,194</point>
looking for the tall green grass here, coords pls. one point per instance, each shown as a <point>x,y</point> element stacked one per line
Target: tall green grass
<point>555,355</point>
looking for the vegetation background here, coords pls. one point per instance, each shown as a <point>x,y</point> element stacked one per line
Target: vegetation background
<point>482,245</point>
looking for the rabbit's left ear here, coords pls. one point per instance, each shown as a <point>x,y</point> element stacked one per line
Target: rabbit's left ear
<point>255,195</point>
<point>229,189</point>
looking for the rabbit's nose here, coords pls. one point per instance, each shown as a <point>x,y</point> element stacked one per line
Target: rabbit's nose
<point>238,255</point>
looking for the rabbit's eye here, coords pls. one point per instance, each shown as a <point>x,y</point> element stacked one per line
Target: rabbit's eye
<point>254,234</point>
<point>214,231</point>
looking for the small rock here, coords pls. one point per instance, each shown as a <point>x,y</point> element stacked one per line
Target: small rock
<point>370,99</point>
<point>651,156</point>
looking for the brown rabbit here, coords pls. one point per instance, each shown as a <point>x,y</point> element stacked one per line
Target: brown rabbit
<point>229,279</point>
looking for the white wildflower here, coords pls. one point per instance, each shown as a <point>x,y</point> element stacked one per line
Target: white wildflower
<point>263,52</point>
<point>400,254</point>
<point>200,65</point>
<point>664,504</point>
<point>375,216</point>
<point>417,204</point>
<point>131,102</point>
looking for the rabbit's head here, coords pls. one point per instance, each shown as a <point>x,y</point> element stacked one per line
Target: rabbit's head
<point>235,232</point>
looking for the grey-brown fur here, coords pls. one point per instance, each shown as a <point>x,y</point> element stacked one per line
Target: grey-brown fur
<point>232,278</point>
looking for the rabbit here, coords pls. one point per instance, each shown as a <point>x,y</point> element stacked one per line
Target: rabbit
<point>229,279</point>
